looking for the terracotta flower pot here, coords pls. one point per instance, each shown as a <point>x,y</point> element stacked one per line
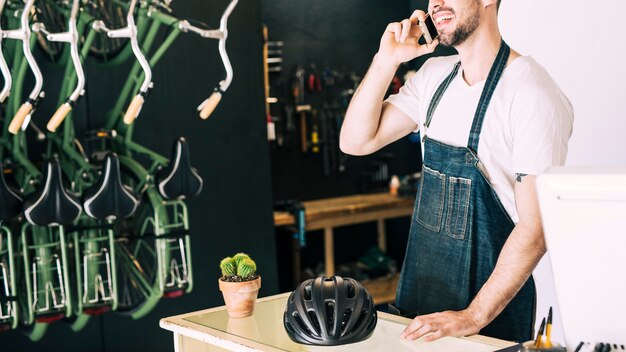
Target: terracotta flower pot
<point>240,296</point>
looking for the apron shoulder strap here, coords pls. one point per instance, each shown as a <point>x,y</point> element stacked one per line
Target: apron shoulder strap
<point>490,86</point>
<point>434,102</point>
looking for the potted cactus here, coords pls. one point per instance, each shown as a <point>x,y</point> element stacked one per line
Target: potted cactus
<point>239,284</point>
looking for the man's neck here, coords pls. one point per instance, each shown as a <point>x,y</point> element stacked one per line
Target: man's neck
<point>478,53</point>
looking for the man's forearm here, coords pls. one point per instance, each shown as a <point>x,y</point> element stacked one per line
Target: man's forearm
<point>518,258</point>
<point>363,115</point>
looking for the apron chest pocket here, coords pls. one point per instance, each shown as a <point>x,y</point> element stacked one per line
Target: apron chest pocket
<point>457,219</point>
<point>431,199</point>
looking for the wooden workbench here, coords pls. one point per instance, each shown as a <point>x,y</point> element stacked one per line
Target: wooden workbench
<point>326,214</point>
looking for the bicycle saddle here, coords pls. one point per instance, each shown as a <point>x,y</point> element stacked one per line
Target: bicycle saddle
<point>179,180</point>
<point>10,201</point>
<point>109,198</point>
<point>51,205</point>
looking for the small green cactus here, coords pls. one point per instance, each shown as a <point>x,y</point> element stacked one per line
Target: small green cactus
<point>239,267</point>
<point>246,268</point>
<point>228,266</point>
<point>239,257</point>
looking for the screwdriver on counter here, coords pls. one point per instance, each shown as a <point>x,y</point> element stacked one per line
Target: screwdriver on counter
<point>540,333</point>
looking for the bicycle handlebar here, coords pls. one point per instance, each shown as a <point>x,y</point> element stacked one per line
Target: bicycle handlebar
<point>24,35</point>
<point>130,31</point>
<point>20,116</point>
<point>133,109</point>
<point>71,37</point>
<point>209,104</point>
<point>59,116</point>
<point>6,73</point>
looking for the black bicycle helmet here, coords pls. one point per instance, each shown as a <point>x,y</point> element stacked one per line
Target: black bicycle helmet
<point>330,311</point>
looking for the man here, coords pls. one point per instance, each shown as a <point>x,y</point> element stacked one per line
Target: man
<point>490,121</point>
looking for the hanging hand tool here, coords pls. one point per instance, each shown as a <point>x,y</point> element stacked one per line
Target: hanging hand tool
<point>325,142</point>
<point>314,84</point>
<point>298,95</point>
<point>290,126</point>
<point>297,86</point>
<point>271,129</point>
<point>302,110</point>
<point>328,77</point>
<point>315,135</point>
<point>333,138</point>
<point>341,156</point>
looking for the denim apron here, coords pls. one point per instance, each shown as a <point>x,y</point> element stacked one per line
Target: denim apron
<point>459,228</point>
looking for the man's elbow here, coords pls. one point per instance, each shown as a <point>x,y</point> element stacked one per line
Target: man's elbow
<point>535,228</point>
<point>353,149</point>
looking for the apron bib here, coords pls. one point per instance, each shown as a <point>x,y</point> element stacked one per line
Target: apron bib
<point>459,228</point>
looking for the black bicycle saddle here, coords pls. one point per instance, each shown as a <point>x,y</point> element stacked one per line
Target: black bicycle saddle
<point>179,180</point>
<point>10,201</point>
<point>109,198</point>
<point>51,204</point>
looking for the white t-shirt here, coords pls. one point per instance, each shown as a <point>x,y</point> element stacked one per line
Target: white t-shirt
<point>526,128</point>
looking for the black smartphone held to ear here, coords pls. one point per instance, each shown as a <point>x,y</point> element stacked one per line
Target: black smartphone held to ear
<point>429,29</point>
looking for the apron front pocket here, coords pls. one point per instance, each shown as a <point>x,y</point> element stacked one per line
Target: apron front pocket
<point>431,199</point>
<point>457,219</point>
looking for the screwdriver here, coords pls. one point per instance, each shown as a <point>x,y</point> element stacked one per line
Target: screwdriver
<point>540,333</point>
<point>548,343</point>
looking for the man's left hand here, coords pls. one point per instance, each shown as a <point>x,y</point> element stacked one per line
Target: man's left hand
<point>449,323</point>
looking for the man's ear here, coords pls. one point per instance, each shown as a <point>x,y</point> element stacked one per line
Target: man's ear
<point>490,3</point>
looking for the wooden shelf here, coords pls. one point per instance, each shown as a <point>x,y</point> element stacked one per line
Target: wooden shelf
<point>383,290</point>
<point>348,210</point>
<point>326,214</point>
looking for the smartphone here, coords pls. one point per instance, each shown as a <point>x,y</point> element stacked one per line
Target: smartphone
<point>429,29</point>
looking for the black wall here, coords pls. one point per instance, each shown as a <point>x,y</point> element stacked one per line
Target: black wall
<point>234,211</point>
<point>343,36</point>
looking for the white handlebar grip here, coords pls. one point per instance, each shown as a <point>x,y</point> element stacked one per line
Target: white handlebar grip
<point>58,117</point>
<point>133,109</point>
<point>209,105</point>
<point>19,117</point>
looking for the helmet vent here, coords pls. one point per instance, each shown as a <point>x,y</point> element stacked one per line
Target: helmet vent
<point>301,323</point>
<point>307,293</point>
<point>351,291</point>
<point>346,318</point>
<point>314,321</point>
<point>362,317</point>
<point>330,314</point>
<point>289,327</point>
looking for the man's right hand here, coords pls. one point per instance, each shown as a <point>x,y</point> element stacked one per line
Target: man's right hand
<point>369,124</point>
<point>400,43</point>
